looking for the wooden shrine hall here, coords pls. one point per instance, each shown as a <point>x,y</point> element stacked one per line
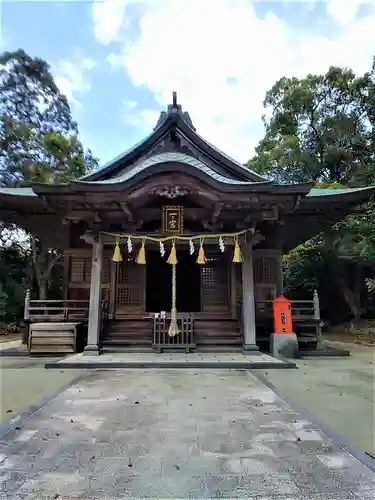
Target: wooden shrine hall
<point>173,244</point>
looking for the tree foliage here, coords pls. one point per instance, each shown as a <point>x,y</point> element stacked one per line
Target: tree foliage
<point>38,140</point>
<point>38,137</point>
<point>321,129</point>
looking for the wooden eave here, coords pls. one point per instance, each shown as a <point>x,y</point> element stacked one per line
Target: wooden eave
<point>344,200</point>
<point>315,214</point>
<point>12,200</point>
<point>98,187</point>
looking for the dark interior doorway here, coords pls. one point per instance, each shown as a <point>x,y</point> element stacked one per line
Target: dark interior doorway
<point>159,283</point>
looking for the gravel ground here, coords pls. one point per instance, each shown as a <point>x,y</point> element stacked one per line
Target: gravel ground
<point>339,391</point>
<point>24,382</point>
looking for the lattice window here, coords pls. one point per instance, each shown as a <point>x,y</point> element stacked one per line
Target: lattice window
<point>88,265</point>
<point>215,284</point>
<point>106,270</point>
<point>265,269</point>
<point>270,269</point>
<point>129,295</point>
<point>80,269</point>
<point>209,275</point>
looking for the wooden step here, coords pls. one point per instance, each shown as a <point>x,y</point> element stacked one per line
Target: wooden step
<point>218,341</point>
<point>109,342</point>
<point>126,348</point>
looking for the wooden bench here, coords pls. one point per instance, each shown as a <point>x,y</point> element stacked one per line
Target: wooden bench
<point>52,337</point>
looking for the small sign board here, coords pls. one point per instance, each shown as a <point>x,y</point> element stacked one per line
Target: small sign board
<point>173,220</point>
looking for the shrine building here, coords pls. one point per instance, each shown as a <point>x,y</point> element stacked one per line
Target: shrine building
<point>174,244</point>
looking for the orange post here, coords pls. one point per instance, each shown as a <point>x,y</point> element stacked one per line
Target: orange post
<point>282,315</point>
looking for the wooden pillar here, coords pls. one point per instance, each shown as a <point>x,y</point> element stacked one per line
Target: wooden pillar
<point>233,291</point>
<point>113,289</point>
<point>248,300</point>
<point>317,318</point>
<point>92,347</point>
<point>279,280</point>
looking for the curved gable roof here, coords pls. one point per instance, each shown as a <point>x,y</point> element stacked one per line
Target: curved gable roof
<point>180,121</point>
<point>165,158</point>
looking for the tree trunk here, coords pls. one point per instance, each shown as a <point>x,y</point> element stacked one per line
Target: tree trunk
<point>42,288</point>
<point>352,299</point>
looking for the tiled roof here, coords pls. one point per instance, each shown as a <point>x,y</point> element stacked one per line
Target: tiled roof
<point>332,191</point>
<point>171,158</point>
<point>21,191</point>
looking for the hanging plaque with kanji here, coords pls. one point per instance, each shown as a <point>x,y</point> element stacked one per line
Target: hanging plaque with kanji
<point>173,220</point>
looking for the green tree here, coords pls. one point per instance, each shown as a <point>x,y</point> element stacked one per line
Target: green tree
<point>38,139</point>
<point>321,129</point>
<point>14,261</point>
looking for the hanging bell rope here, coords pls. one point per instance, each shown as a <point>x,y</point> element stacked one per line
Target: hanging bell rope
<point>237,255</point>
<point>117,257</point>
<point>141,258</point>
<point>173,327</point>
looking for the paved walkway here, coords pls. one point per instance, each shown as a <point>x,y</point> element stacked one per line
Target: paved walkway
<point>175,434</point>
<point>172,360</point>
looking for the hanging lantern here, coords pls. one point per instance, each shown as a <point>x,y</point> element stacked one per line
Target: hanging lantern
<point>237,255</point>
<point>141,258</point>
<point>201,259</point>
<point>130,246</point>
<point>172,259</point>
<point>191,247</point>
<point>117,257</point>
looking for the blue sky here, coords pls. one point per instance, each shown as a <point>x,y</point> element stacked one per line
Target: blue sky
<point>119,60</point>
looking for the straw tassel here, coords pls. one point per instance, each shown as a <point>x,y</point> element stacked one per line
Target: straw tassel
<point>141,258</point>
<point>172,259</point>
<point>201,259</point>
<point>237,255</point>
<point>117,257</point>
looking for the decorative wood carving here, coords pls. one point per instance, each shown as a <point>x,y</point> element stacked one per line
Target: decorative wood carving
<point>89,237</point>
<point>170,191</point>
<point>217,211</point>
<point>125,208</point>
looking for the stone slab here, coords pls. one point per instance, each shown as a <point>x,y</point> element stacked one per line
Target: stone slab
<point>144,360</point>
<point>285,345</point>
<point>175,434</point>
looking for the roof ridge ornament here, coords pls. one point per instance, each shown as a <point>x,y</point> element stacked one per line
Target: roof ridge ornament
<point>174,99</point>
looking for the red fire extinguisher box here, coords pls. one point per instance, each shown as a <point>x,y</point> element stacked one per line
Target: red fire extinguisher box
<point>282,315</point>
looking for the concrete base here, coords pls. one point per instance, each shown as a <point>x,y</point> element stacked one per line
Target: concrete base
<point>91,350</point>
<point>325,351</point>
<point>284,344</point>
<point>144,360</point>
<point>250,348</point>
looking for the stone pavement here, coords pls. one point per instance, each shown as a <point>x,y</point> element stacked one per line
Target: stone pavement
<point>143,360</point>
<point>175,434</point>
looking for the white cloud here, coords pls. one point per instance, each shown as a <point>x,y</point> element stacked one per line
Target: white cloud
<point>108,17</point>
<point>221,58</point>
<point>344,11</point>
<point>72,76</point>
<point>142,120</point>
